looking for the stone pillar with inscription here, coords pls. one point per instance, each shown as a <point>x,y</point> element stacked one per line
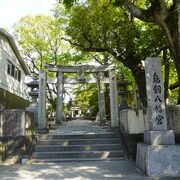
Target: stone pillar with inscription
<point>158,133</point>
<point>156,156</point>
<point>59,104</point>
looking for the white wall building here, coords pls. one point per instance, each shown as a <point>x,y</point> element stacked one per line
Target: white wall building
<point>12,74</point>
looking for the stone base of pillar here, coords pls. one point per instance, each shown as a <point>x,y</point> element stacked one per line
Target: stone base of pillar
<point>102,122</point>
<point>159,137</point>
<point>34,110</point>
<point>159,160</point>
<point>114,124</point>
<point>42,131</point>
<point>114,129</point>
<point>58,122</point>
<point>60,119</point>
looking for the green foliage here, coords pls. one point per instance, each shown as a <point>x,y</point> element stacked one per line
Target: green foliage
<point>150,41</point>
<point>173,95</point>
<point>67,3</point>
<point>40,39</point>
<point>61,12</point>
<point>119,3</point>
<point>94,26</point>
<point>143,3</point>
<point>98,27</point>
<point>87,98</point>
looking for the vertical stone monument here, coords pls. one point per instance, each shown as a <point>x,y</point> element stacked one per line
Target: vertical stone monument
<point>158,155</point>
<point>42,119</point>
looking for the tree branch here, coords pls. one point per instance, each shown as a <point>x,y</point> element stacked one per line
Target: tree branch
<point>118,42</point>
<point>96,59</point>
<point>157,12</point>
<point>158,51</point>
<point>33,63</point>
<point>174,85</point>
<point>50,97</point>
<point>139,13</point>
<point>93,49</point>
<point>115,55</point>
<point>87,39</point>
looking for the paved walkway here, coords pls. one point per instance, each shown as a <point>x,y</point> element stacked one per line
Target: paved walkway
<point>79,127</point>
<point>72,171</point>
<point>95,170</point>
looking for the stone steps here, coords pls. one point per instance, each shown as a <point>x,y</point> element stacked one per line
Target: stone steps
<point>94,147</point>
<point>78,154</point>
<point>79,136</point>
<point>83,147</point>
<point>76,159</point>
<point>79,141</point>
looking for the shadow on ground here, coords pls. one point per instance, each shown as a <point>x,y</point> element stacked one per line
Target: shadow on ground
<point>107,170</point>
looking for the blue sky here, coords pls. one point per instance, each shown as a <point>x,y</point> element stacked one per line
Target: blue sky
<point>12,10</point>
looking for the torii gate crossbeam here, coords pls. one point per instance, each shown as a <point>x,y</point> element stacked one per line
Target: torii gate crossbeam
<point>87,69</point>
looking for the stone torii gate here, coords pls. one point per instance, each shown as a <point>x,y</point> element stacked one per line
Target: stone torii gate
<point>98,78</point>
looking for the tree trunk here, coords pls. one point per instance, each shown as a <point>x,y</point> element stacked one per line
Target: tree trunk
<point>166,75</point>
<point>172,29</point>
<point>167,18</point>
<point>138,73</point>
<point>139,76</point>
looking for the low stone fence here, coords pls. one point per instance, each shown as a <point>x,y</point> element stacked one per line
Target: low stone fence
<point>173,118</point>
<point>134,122</point>
<point>16,133</point>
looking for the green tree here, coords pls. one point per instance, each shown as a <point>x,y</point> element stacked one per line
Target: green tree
<point>87,98</point>
<point>165,14</point>
<point>40,40</point>
<point>99,26</point>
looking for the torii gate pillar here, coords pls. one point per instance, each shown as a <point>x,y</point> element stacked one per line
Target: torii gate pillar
<point>113,99</point>
<point>102,112</point>
<point>59,104</point>
<point>42,119</point>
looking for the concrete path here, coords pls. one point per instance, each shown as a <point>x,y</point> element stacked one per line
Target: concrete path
<point>73,171</point>
<point>79,127</point>
<point>94,170</point>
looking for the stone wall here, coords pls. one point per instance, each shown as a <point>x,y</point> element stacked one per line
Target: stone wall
<point>134,122</point>
<point>173,118</point>
<point>11,101</point>
<point>16,134</point>
<point>11,121</point>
